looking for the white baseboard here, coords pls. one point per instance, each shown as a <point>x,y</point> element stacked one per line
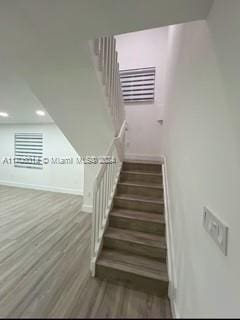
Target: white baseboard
<point>175,313</point>
<point>38,187</point>
<point>142,157</point>
<point>171,296</point>
<point>87,208</point>
<point>169,237</point>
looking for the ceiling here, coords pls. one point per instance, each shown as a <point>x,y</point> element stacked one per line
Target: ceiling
<point>17,99</point>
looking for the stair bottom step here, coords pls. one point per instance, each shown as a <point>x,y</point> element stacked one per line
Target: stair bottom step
<point>132,281</point>
<point>135,272</point>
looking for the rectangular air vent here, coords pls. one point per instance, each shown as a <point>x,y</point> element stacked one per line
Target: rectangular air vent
<point>138,85</point>
<point>28,150</point>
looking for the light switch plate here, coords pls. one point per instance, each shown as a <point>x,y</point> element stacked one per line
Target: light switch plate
<point>216,229</point>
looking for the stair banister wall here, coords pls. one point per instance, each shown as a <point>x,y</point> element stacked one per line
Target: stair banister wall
<point>106,180</point>
<point>104,190</point>
<point>107,59</point>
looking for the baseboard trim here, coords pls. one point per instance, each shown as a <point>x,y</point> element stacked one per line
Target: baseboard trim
<point>87,208</point>
<point>43,188</point>
<point>175,313</point>
<point>142,157</point>
<point>169,238</point>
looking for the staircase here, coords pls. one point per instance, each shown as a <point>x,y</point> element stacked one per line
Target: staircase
<point>134,247</point>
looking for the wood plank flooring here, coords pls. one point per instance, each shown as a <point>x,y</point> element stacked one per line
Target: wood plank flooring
<point>44,263</point>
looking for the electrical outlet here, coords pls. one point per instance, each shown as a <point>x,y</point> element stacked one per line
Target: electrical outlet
<point>216,229</point>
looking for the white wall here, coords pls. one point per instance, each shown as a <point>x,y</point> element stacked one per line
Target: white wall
<point>53,177</point>
<point>46,44</point>
<point>201,146</point>
<point>140,50</point>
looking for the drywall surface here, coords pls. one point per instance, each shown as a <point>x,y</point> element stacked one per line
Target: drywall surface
<point>224,24</point>
<point>144,49</point>
<point>46,44</point>
<point>58,175</point>
<point>201,132</point>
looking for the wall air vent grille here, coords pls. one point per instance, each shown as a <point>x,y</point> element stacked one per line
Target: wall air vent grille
<point>28,150</point>
<point>138,85</point>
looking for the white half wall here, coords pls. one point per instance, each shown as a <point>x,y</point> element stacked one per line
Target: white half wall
<point>66,178</point>
<point>201,145</point>
<point>144,49</point>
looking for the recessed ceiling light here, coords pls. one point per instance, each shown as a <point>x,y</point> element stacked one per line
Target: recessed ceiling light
<point>40,113</point>
<point>4,114</point>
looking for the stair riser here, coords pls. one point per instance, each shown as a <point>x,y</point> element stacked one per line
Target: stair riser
<point>133,281</point>
<point>135,177</point>
<point>135,248</point>
<point>138,205</point>
<point>136,225</point>
<point>142,167</point>
<point>141,191</point>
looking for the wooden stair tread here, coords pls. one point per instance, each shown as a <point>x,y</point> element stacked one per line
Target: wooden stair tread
<point>150,162</point>
<point>146,173</point>
<point>140,184</point>
<point>147,239</point>
<point>132,197</point>
<point>138,265</point>
<point>138,215</point>
<point>143,166</point>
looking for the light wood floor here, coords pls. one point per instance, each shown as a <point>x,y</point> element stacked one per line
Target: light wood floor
<point>44,263</point>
